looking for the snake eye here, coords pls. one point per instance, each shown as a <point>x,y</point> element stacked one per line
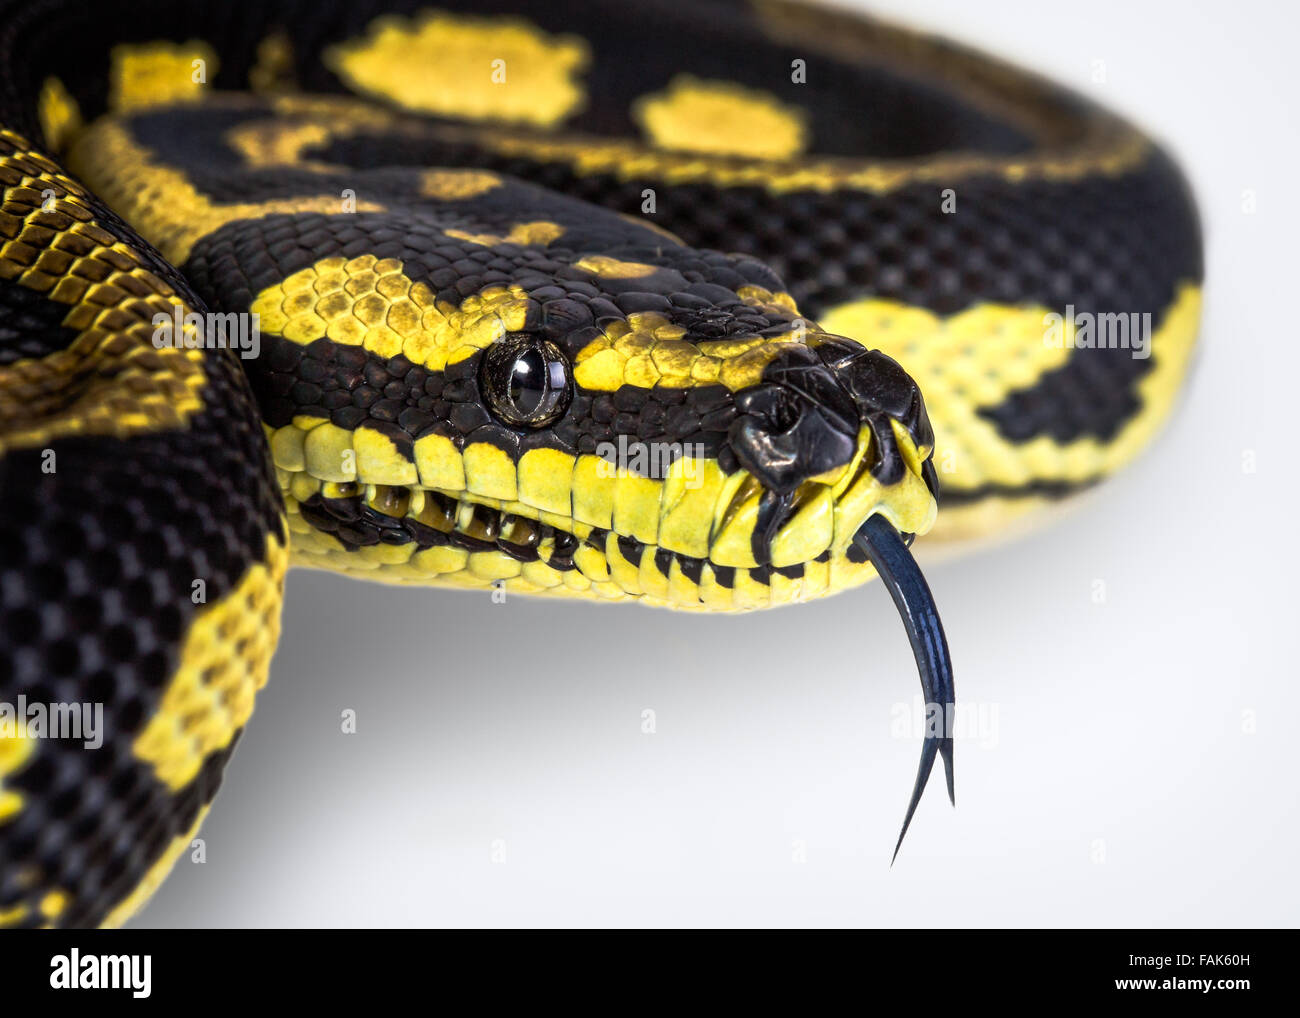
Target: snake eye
<point>526,381</point>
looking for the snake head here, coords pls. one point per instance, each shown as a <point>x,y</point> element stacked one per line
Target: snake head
<point>652,422</point>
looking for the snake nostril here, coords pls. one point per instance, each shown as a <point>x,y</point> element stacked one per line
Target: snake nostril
<point>783,437</point>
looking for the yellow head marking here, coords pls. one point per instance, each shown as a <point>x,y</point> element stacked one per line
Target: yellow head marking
<point>648,350</point>
<point>476,68</point>
<point>540,232</point>
<point>612,268</point>
<point>372,303</point>
<point>457,185</point>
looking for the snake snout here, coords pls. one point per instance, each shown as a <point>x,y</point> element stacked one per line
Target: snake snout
<point>882,392</point>
<point>800,423</point>
<point>877,384</point>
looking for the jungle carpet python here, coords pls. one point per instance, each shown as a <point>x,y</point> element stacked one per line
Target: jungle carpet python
<point>433,294</point>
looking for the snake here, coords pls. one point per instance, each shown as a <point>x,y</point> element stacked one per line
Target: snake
<point>705,306</point>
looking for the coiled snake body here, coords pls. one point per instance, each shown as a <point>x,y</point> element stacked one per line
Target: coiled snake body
<point>433,294</point>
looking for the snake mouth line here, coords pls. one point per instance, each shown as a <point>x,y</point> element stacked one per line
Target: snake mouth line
<point>750,528</point>
<point>359,515</point>
<point>365,514</point>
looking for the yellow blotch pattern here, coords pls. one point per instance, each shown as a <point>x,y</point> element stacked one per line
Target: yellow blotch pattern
<point>59,114</point>
<point>457,185</point>
<point>647,350</point>
<point>614,268</point>
<point>629,159</point>
<point>372,303</point>
<point>50,243</point>
<point>161,202</point>
<point>159,73</point>
<point>273,71</point>
<point>721,118</point>
<point>16,750</point>
<point>297,124</point>
<point>223,663</point>
<point>539,233</point>
<point>504,69</point>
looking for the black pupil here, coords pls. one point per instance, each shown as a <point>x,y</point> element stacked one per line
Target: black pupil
<point>529,382</point>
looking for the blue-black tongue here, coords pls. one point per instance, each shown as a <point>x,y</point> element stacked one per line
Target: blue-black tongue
<point>884,546</point>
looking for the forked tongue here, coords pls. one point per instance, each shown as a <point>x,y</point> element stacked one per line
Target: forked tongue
<point>883,545</point>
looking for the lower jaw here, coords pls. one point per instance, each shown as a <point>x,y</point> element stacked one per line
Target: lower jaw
<point>472,545</point>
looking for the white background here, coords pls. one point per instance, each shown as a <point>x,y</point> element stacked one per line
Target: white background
<point>1120,788</point>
